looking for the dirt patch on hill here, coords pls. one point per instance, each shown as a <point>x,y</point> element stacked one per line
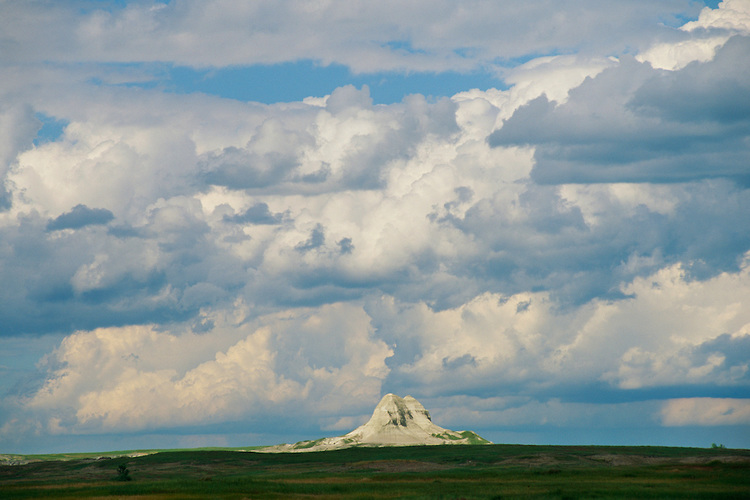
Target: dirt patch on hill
<point>397,466</point>
<point>543,460</point>
<point>617,460</point>
<point>635,460</point>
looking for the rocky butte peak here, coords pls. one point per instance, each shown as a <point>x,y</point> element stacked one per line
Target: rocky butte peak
<point>393,410</point>
<point>396,421</point>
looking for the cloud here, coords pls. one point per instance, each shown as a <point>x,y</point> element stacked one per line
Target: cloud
<point>718,93</point>
<point>631,123</point>
<point>98,163</point>
<point>129,397</point>
<point>267,160</point>
<point>672,331</point>
<point>316,240</point>
<point>18,126</point>
<point>706,412</point>
<point>346,144</point>
<point>80,216</point>
<point>572,247</point>
<point>324,361</point>
<point>554,76</point>
<point>413,203</point>
<point>703,36</point>
<point>731,15</point>
<point>257,214</point>
<point>528,413</point>
<point>721,361</point>
<point>674,56</point>
<point>334,361</point>
<point>168,266</point>
<point>424,39</point>
<point>423,36</point>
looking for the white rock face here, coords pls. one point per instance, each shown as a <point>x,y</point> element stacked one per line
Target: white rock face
<point>396,421</point>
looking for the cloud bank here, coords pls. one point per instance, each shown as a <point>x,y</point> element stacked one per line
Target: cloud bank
<point>420,36</point>
<point>569,251</point>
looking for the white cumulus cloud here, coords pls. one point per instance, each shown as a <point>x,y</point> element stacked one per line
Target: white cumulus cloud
<point>706,412</point>
<point>141,377</point>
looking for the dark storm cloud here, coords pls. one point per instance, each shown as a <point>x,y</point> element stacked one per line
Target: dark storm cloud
<point>632,123</point>
<point>80,216</point>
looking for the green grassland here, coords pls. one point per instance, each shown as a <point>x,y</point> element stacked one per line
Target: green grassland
<point>449,472</point>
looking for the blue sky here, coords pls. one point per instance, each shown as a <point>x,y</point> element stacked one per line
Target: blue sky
<point>293,81</point>
<point>229,224</point>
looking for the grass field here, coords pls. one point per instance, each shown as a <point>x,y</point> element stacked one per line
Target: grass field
<point>489,471</point>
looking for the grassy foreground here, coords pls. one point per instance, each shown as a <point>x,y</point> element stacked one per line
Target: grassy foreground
<point>489,471</point>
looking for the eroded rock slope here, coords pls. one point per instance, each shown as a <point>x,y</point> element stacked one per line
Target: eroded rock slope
<point>396,421</point>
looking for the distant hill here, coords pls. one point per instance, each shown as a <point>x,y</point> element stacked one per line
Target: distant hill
<point>396,421</point>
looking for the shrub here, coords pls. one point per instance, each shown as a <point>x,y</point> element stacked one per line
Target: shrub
<point>123,474</point>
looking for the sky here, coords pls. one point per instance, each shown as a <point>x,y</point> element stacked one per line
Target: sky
<point>242,223</point>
